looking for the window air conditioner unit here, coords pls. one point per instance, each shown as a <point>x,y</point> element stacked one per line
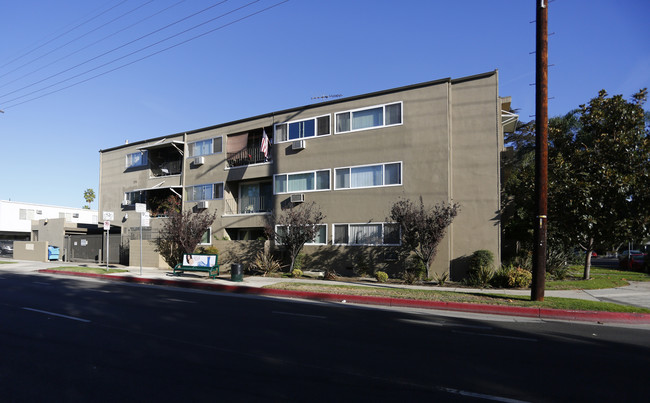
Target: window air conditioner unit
<point>298,145</point>
<point>202,205</point>
<point>199,160</point>
<point>125,203</point>
<point>299,198</point>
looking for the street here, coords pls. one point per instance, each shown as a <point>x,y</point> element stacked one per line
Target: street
<point>69,339</point>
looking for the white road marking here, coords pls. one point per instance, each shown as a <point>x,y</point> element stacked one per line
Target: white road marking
<point>180,300</point>
<point>299,314</point>
<point>497,336</point>
<point>56,314</point>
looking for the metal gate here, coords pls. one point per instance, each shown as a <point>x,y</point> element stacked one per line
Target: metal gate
<point>91,248</point>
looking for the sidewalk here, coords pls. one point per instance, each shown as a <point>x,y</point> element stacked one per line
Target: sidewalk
<point>636,294</point>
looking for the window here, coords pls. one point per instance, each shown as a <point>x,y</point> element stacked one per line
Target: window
<point>26,214</point>
<point>320,238</point>
<point>388,174</point>
<point>206,239</point>
<point>367,234</point>
<point>205,147</point>
<point>377,116</point>
<point>205,192</point>
<point>138,159</point>
<point>134,197</point>
<point>302,182</point>
<point>319,126</point>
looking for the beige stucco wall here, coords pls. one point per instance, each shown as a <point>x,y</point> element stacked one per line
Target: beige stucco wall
<point>34,251</point>
<point>449,145</point>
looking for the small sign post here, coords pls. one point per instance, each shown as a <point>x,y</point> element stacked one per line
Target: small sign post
<point>142,209</point>
<point>108,216</point>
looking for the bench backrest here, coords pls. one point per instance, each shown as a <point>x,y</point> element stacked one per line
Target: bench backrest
<point>197,260</point>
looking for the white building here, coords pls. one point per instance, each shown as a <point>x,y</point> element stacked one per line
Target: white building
<point>16,217</point>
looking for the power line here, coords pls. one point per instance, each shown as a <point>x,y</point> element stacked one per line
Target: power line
<point>63,34</point>
<point>87,46</point>
<point>153,54</point>
<point>108,52</point>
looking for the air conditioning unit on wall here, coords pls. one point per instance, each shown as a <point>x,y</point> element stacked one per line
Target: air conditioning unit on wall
<point>199,160</point>
<point>299,198</point>
<point>298,145</point>
<point>202,205</point>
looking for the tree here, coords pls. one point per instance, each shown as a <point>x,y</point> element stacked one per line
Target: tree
<point>294,227</point>
<point>422,228</point>
<point>89,196</point>
<point>601,186</point>
<point>181,231</point>
<point>599,176</point>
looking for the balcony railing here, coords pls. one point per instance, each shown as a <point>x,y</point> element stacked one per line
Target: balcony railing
<point>247,156</point>
<point>249,205</point>
<point>167,168</point>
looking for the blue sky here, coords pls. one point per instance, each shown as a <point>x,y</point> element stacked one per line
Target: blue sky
<point>276,59</point>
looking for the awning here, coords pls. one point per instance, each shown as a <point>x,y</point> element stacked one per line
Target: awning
<point>177,144</point>
<point>509,121</point>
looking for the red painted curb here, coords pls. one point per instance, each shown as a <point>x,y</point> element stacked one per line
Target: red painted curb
<point>542,313</point>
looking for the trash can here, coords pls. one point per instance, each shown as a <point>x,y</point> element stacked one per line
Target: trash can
<point>52,253</point>
<point>236,272</point>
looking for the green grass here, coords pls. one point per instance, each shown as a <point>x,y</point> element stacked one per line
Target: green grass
<point>3,262</point>
<point>600,278</point>
<point>448,296</point>
<point>94,270</point>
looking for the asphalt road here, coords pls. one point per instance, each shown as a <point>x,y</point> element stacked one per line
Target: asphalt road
<point>69,339</point>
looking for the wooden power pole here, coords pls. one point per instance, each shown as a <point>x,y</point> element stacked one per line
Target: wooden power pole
<point>541,152</point>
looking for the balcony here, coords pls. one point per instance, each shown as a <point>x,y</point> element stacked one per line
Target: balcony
<point>249,205</point>
<point>247,156</point>
<point>167,168</point>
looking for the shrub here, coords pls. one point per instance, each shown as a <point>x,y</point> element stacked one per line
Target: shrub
<point>207,250</point>
<point>299,262</point>
<point>296,273</point>
<point>265,263</point>
<point>481,268</point>
<point>510,276</point>
<point>414,270</point>
<point>481,258</point>
<point>381,276</point>
<point>441,279</point>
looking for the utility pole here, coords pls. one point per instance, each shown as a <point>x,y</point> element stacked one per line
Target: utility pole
<point>541,152</point>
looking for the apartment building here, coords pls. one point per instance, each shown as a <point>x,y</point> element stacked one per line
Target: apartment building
<point>354,157</point>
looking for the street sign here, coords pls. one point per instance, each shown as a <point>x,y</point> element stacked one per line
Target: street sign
<point>140,208</point>
<point>107,225</point>
<point>108,216</point>
<point>145,221</point>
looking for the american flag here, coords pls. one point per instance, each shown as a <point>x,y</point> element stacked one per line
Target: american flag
<point>265,144</point>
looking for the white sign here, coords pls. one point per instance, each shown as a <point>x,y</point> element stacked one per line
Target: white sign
<point>107,225</point>
<point>140,208</point>
<point>108,216</point>
<point>84,242</point>
<point>145,220</point>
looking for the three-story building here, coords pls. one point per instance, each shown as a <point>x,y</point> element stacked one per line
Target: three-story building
<point>354,157</point>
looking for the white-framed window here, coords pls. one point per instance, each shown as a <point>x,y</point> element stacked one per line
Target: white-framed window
<point>364,176</point>
<point>368,118</point>
<point>134,197</point>
<point>301,129</point>
<point>210,191</point>
<point>387,234</point>
<point>206,147</point>
<point>319,239</point>
<point>206,239</point>
<point>302,181</point>
<point>138,159</point>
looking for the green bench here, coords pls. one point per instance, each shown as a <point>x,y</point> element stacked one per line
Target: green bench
<point>198,262</point>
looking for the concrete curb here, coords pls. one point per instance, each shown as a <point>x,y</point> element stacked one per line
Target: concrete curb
<point>541,313</point>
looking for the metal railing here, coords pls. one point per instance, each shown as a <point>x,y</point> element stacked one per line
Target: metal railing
<point>249,205</point>
<point>167,168</point>
<point>247,156</point>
